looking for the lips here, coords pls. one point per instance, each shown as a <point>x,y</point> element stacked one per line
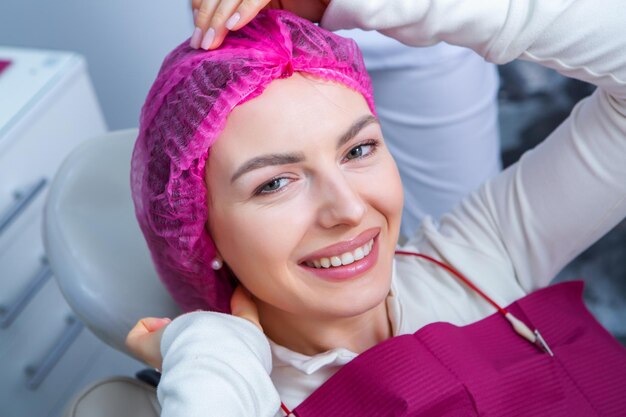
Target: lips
<point>345,260</point>
<point>338,249</point>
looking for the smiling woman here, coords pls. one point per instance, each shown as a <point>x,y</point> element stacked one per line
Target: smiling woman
<point>261,166</point>
<point>326,172</point>
<point>200,96</point>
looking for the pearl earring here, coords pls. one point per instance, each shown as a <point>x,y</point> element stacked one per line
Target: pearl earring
<point>217,264</point>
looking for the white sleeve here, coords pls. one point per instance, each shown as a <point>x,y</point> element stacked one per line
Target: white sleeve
<point>216,365</point>
<point>583,39</point>
<point>571,189</point>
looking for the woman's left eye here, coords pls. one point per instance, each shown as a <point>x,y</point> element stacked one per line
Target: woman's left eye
<point>272,186</point>
<point>361,151</point>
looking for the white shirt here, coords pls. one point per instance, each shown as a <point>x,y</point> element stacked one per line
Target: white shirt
<point>510,237</point>
<point>381,52</point>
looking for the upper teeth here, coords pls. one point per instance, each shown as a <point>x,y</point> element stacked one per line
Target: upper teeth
<point>344,259</point>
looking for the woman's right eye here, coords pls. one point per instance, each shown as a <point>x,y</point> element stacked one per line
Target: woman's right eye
<point>272,186</point>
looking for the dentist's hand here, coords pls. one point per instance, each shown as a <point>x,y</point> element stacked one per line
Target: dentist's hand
<point>214,18</point>
<point>144,340</point>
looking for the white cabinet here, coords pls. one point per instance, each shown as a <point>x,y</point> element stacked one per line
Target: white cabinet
<point>47,106</point>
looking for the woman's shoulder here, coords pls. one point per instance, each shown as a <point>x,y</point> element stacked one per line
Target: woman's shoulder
<point>425,292</point>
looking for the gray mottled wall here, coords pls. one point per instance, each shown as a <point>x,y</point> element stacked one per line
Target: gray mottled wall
<point>534,101</point>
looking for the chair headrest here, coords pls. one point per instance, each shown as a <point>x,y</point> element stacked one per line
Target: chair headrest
<point>94,244</point>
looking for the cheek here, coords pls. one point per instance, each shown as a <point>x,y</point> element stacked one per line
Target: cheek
<point>256,243</point>
<point>388,195</point>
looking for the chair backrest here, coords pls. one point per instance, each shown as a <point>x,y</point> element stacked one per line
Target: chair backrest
<point>94,245</point>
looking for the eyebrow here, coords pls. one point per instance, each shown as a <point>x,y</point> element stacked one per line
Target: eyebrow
<point>355,129</point>
<point>292,158</point>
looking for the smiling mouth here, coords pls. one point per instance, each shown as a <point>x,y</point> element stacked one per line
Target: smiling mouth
<point>343,259</point>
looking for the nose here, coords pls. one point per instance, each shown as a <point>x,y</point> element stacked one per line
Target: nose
<point>340,202</point>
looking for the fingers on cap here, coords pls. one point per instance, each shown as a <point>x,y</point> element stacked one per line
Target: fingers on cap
<point>247,11</point>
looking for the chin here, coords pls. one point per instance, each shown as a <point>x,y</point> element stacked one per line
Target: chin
<point>355,299</point>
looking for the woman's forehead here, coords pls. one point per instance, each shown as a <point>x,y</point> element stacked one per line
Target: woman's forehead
<point>299,108</point>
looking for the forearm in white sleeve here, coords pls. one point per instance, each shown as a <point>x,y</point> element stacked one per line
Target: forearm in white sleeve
<point>571,189</point>
<point>563,34</point>
<point>216,365</point>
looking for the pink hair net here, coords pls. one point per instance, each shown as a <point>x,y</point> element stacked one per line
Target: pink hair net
<point>184,113</point>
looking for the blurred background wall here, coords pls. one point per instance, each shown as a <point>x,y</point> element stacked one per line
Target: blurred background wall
<point>124,42</point>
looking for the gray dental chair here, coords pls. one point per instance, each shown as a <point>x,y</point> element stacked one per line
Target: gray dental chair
<point>102,264</point>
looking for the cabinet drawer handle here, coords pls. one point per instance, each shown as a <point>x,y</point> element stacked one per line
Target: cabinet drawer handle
<point>22,200</point>
<point>10,313</point>
<point>37,374</point>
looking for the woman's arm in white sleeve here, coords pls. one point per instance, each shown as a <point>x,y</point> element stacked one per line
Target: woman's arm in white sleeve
<point>216,365</point>
<point>571,189</point>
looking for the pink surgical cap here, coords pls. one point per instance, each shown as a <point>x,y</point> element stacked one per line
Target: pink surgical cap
<point>184,113</point>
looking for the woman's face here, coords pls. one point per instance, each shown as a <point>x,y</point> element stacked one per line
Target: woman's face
<point>305,200</point>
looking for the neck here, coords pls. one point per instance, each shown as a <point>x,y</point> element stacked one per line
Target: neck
<point>310,336</point>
